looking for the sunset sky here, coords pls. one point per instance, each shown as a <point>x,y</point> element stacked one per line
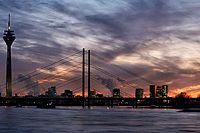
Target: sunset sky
<point>156,39</point>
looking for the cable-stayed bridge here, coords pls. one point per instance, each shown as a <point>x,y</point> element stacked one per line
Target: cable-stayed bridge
<point>66,73</point>
<point>48,74</point>
<point>79,68</point>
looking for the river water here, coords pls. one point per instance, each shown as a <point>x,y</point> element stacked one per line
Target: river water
<point>96,120</point>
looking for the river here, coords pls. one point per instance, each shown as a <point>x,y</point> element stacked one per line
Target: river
<point>96,120</point>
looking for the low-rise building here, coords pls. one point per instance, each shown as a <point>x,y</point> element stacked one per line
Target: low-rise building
<point>51,92</point>
<point>67,93</point>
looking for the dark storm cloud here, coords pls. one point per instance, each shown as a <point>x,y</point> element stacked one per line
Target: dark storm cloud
<point>132,25</point>
<point>107,22</point>
<point>66,8</point>
<point>38,51</point>
<point>73,34</point>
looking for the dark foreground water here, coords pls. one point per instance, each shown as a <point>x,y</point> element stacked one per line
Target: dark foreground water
<point>97,120</point>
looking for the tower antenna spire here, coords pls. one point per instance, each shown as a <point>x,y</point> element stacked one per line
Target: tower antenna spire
<point>9,37</point>
<point>9,23</point>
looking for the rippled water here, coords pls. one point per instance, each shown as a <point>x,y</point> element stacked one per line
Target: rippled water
<point>75,119</point>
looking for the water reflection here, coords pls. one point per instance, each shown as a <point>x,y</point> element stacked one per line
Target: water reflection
<point>75,119</point>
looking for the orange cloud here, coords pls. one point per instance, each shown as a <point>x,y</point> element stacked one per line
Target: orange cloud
<point>193,91</point>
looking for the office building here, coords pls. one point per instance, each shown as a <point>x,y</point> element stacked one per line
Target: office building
<point>139,93</point>
<point>116,93</point>
<point>164,91</point>
<point>159,92</point>
<point>51,92</point>
<point>67,93</point>
<point>152,91</point>
<point>92,93</point>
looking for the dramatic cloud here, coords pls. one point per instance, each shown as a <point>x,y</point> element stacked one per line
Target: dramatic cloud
<point>155,39</point>
<point>31,86</point>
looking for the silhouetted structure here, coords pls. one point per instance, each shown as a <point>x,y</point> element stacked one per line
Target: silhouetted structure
<point>9,37</point>
<point>116,93</point>
<point>92,93</point>
<point>89,95</point>
<point>159,92</point>
<point>51,92</point>
<point>162,91</point>
<point>99,96</point>
<point>152,91</point>
<point>67,93</point>
<point>83,79</point>
<point>165,91</point>
<point>139,93</point>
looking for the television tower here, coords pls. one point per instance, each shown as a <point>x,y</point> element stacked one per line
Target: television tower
<point>9,37</point>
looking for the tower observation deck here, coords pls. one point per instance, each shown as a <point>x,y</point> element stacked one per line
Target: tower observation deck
<point>9,37</point>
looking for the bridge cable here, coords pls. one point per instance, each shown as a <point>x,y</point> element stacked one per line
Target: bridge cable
<point>72,81</point>
<point>41,68</point>
<point>94,78</point>
<point>123,69</point>
<point>111,75</point>
<point>37,73</point>
<point>54,77</point>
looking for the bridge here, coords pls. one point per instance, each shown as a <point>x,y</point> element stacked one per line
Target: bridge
<point>70,65</point>
<point>72,59</point>
<point>83,101</point>
<point>106,101</point>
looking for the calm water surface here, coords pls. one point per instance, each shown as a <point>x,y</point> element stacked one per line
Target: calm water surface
<point>97,120</point>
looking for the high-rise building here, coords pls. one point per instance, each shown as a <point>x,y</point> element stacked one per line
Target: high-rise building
<point>139,93</point>
<point>92,93</point>
<point>116,93</point>
<point>152,91</point>
<point>9,37</point>
<point>164,91</point>
<point>159,92</point>
<point>51,92</point>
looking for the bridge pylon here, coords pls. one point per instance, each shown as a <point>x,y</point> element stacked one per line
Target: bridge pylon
<point>89,79</point>
<point>83,79</point>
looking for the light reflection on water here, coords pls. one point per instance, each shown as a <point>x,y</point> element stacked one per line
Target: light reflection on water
<point>98,119</point>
